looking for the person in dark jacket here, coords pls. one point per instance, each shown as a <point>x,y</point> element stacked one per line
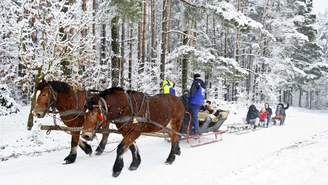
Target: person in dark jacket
<point>281,113</point>
<point>197,95</point>
<point>253,116</point>
<point>207,107</point>
<point>269,111</point>
<point>185,100</point>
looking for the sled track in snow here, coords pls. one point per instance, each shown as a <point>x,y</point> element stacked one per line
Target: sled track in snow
<point>319,138</point>
<point>38,153</point>
<point>322,136</point>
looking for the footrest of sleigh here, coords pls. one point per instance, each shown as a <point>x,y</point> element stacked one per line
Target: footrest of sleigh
<point>195,141</point>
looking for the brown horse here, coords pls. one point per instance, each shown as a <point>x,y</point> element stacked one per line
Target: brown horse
<point>69,103</point>
<point>133,113</point>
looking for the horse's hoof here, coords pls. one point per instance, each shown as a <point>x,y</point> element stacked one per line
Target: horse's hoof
<point>116,174</point>
<point>89,153</point>
<point>168,162</point>
<point>87,149</point>
<point>67,162</point>
<point>99,151</point>
<point>133,168</point>
<point>69,159</point>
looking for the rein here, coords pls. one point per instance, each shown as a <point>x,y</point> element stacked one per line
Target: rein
<point>52,104</point>
<point>139,119</point>
<point>104,113</point>
<point>126,119</point>
<point>133,117</point>
<point>77,113</point>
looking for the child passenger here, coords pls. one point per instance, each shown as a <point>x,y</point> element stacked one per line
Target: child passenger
<point>263,118</point>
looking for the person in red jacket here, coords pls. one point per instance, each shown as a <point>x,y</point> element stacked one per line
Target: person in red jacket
<point>263,117</point>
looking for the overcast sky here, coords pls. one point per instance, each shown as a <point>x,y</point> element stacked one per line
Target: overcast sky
<point>320,5</point>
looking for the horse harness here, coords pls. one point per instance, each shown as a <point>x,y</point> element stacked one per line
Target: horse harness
<point>133,117</point>
<point>52,105</point>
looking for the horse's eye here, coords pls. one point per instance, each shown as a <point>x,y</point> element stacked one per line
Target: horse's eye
<point>92,114</point>
<point>43,95</point>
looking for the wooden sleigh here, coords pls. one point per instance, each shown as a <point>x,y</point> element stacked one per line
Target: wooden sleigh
<point>208,125</point>
<point>242,128</point>
<point>238,128</point>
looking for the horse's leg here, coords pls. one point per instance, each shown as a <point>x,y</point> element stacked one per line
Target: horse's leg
<point>100,149</point>
<point>175,148</point>
<point>136,160</point>
<point>125,143</point>
<point>73,153</point>
<point>85,147</point>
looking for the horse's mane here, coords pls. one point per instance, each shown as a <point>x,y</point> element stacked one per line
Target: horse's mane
<point>110,91</point>
<point>90,101</point>
<point>56,85</point>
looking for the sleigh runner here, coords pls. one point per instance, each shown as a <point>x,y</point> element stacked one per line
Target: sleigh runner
<point>208,125</point>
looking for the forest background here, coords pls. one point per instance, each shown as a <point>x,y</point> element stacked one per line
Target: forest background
<point>248,51</point>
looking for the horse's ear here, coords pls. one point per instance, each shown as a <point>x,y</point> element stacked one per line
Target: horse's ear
<point>95,98</point>
<point>89,103</point>
<point>41,84</point>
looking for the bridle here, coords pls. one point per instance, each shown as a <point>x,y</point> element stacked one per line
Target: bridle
<point>52,104</point>
<point>103,110</point>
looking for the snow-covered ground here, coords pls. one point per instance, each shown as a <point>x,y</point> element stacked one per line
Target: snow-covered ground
<point>294,154</point>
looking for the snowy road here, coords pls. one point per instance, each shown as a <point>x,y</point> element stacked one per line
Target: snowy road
<point>296,153</point>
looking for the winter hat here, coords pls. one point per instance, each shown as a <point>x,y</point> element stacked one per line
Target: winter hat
<point>171,77</point>
<point>196,76</point>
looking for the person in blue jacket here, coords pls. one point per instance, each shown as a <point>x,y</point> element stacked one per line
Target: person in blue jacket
<point>197,96</point>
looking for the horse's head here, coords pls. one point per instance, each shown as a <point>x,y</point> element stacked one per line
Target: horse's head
<point>45,98</point>
<point>101,107</point>
<point>94,118</point>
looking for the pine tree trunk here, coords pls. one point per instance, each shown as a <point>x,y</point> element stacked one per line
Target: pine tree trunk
<point>186,57</point>
<point>122,55</point>
<point>310,99</point>
<point>103,45</point>
<point>130,59</point>
<point>185,62</point>
<point>300,98</point>
<point>30,119</point>
<point>168,28</point>
<point>115,48</point>
<point>141,65</point>
<point>238,39</point>
<point>84,8</point>
<point>164,39</point>
<point>214,34</point>
<point>144,26</point>
<point>65,64</point>
<point>94,14</point>
<point>153,38</point>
